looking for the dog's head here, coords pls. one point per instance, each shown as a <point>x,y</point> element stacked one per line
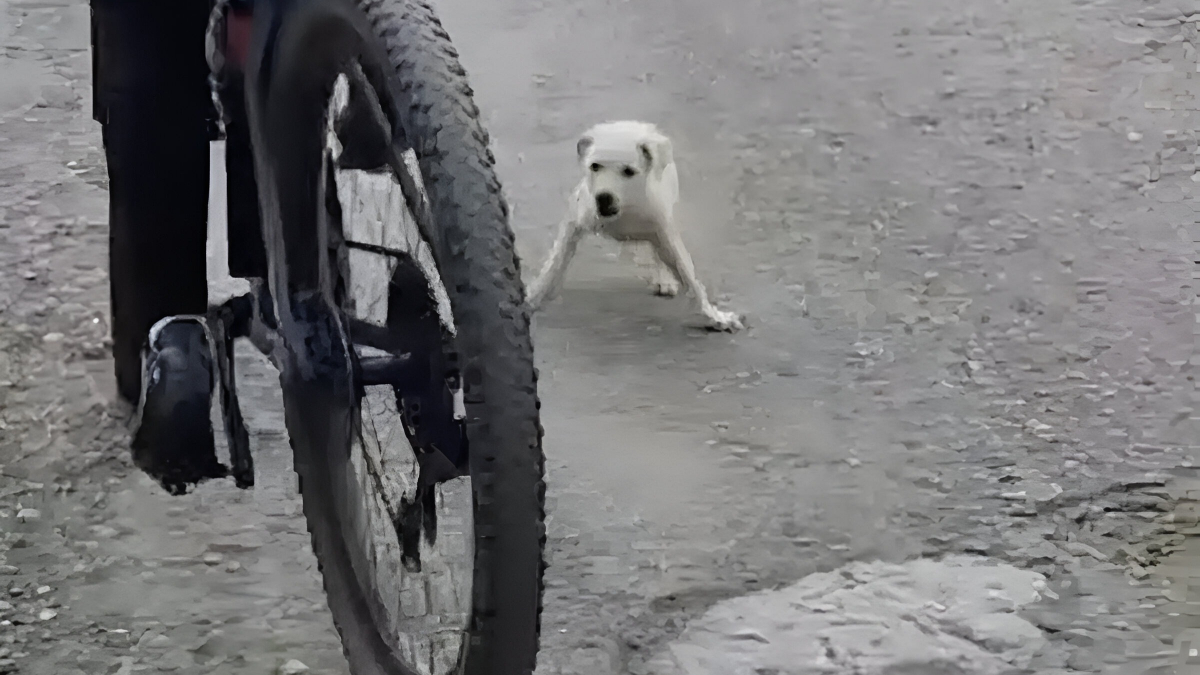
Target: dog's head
<point>622,160</point>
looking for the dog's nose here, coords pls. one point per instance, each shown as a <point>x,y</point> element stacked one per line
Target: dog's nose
<point>606,204</point>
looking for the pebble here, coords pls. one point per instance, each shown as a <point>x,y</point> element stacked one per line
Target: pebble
<point>1080,549</point>
<point>25,515</point>
<point>750,634</point>
<point>159,642</point>
<point>293,667</point>
<point>47,614</point>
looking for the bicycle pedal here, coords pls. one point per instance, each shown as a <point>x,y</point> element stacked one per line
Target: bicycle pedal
<point>173,440</point>
<point>224,329</point>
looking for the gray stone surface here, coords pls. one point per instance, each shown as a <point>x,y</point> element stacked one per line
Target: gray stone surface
<point>957,615</point>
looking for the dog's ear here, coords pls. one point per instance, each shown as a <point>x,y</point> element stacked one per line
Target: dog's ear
<point>582,147</point>
<point>647,154</point>
<point>657,153</point>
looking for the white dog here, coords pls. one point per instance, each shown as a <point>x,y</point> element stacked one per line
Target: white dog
<point>628,193</point>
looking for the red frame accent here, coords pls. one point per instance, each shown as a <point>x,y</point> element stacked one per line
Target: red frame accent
<point>237,37</point>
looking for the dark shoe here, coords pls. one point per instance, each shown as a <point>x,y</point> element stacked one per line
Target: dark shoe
<point>173,439</point>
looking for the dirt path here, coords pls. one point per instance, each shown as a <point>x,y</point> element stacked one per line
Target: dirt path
<point>956,229</point>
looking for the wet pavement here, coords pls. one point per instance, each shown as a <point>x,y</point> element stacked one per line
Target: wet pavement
<point>959,232</point>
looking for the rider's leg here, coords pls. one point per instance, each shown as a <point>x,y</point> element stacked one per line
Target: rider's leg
<point>152,99</point>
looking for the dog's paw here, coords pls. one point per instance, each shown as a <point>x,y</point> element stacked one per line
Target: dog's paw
<point>666,288</point>
<point>724,321</point>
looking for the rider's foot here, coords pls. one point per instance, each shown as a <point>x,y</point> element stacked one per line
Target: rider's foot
<point>173,438</point>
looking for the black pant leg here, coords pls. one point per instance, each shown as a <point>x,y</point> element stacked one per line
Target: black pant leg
<point>153,103</point>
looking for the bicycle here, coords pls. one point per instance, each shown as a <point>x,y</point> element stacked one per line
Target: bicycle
<point>403,344</point>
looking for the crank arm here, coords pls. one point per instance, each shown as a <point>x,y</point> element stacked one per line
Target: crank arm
<point>223,322</point>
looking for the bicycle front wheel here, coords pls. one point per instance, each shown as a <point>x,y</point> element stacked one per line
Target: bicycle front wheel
<point>389,237</point>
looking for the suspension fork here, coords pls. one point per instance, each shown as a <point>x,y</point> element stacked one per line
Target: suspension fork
<point>255,28</point>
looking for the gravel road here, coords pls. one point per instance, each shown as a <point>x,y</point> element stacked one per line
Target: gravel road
<point>958,435</point>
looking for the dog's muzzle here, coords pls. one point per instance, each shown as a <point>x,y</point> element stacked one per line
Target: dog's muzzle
<point>606,205</point>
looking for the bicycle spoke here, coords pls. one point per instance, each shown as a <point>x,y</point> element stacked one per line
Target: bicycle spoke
<point>377,250</point>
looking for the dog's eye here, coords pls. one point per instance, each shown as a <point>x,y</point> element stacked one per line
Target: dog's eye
<point>594,167</point>
<point>629,172</point>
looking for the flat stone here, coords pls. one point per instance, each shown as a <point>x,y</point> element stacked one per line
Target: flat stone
<point>924,616</point>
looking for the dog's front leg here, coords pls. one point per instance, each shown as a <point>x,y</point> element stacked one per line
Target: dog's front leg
<point>670,249</point>
<point>666,283</point>
<point>662,279</point>
<point>550,278</point>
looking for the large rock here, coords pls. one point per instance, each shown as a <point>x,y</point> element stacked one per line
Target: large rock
<point>931,617</point>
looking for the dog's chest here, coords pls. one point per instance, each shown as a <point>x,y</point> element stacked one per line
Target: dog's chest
<point>630,226</point>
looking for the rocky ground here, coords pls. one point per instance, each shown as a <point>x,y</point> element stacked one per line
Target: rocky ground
<point>957,437</point>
